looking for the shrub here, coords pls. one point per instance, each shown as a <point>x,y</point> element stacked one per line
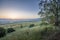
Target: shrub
<point>9,30</point>
<point>31,25</point>
<point>21,26</point>
<point>2,32</point>
<point>44,23</point>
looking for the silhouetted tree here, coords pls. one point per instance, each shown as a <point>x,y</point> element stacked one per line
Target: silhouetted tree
<point>49,10</point>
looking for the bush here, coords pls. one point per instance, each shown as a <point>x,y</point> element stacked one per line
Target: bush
<point>44,23</point>
<point>2,32</point>
<point>21,26</point>
<point>9,30</point>
<point>31,25</point>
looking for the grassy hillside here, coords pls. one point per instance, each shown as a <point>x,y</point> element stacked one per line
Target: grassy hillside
<point>37,32</point>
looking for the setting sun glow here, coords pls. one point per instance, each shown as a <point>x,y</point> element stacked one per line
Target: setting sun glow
<point>13,16</point>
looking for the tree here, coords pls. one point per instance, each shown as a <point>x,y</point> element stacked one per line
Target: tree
<point>49,10</point>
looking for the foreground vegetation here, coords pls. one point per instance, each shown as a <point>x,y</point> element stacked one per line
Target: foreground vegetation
<point>36,32</point>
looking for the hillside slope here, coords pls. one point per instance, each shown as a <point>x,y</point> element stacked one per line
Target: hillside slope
<point>34,33</point>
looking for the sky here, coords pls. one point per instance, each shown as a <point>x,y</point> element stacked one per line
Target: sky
<point>19,9</point>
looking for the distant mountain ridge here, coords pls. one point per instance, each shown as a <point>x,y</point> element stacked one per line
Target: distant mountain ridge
<point>4,21</point>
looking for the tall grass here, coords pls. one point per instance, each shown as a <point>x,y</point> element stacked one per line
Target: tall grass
<point>35,33</point>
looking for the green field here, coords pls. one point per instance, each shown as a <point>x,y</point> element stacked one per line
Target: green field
<point>38,32</point>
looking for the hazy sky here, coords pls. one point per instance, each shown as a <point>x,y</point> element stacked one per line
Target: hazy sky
<point>15,9</point>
